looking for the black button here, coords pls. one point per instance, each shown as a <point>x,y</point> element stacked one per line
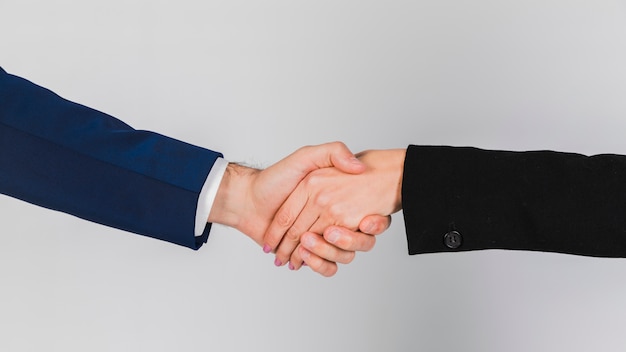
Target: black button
<point>453,240</point>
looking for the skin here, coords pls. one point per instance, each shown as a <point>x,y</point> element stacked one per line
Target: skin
<point>328,204</point>
<point>248,200</point>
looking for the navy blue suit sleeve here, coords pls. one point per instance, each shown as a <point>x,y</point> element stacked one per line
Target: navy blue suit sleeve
<point>68,157</point>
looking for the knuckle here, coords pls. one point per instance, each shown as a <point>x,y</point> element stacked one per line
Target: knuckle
<point>283,218</point>
<point>311,181</point>
<point>293,234</point>
<point>335,211</point>
<point>321,200</point>
<point>338,145</point>
<point>305,149</point>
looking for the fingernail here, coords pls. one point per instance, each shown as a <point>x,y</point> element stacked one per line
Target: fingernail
<point>369,228</point>
<point>267,248</point>
<point>354,160</point>
<point>277,262</point>
<point>333,236</point>
<point>291,267</point>
<point>308,242</point>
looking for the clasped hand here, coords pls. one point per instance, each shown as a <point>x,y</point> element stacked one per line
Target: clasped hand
<point>317,206</point>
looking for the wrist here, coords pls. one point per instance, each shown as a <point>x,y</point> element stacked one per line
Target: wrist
<point>388,168</point>
<point>230,198</point>
<point>399,157</point>
<point>395,169</point>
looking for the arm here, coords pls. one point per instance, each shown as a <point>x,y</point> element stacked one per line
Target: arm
<point>460,199</point>
<point>543,201</point>
<point>68,157</point>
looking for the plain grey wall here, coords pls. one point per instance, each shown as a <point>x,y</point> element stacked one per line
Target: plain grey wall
<point>256,80</point>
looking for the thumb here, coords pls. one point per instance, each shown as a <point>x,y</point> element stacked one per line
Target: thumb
<point>327,155</point>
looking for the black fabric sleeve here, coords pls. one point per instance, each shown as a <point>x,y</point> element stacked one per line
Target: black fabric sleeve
<point>540,201</point>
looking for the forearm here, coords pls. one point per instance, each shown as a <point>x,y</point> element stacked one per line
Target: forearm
<point>71,158</point>
<point>544,201</point>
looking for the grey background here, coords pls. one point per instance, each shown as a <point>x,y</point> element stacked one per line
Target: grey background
<point>258,79</point>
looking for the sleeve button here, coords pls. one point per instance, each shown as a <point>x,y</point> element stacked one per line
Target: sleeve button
<point>453,239</point>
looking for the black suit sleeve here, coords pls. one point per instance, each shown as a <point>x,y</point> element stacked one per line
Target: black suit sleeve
<point>461,199</point>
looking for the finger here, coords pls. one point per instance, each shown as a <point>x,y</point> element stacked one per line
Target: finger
<point>296,262</point>
<point>284,219</point>
<point>348,240</point>
<point>291,239</point>
<point>317,264</point>
<point>375,224</point>
<point>293,169</point>
<point>309,158</point>
<point>316,244</point>
<point>334,154</point>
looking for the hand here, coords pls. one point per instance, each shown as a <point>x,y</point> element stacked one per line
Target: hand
<point>248,199</point>
<point>330,197</point>
<point>338,243</point>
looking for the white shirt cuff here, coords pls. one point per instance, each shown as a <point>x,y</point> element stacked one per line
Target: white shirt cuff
<point>208,193</point>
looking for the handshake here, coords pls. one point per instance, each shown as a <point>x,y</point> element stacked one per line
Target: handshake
<point>316,207</point>
<point>319,205</point>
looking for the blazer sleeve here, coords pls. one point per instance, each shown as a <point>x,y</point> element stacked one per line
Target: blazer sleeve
<point>68,157</point>
<point>461,199</point>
